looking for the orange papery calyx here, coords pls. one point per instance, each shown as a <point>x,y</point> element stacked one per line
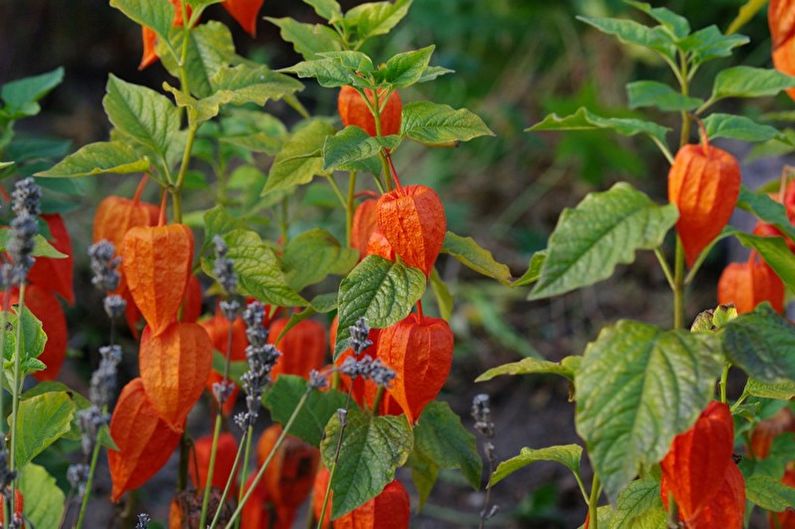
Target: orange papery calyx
<point>55,275</point>
<point>290,475</point>
<point>354,111</point>
<point>391,509</point>
<point>704,184</point>
<point>302,347</point>
<point>746,285</point>
<point>199,463</point>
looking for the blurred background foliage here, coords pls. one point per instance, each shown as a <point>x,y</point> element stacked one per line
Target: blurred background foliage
<point>515,61</point>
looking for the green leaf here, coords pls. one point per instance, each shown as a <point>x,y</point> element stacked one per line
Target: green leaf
<point>352,144</point>
<point>584,119</point>
<point>567,455</point>
<point>155,14</point>
<point>383,292</point>
<point>41,246</point>
<point>639,507</point>
<point>43,419</point>
<point>533,272</point>
<point>141,113</point>
<point>440,437</point>
<point>308,39</point>
<point>745,81</point>
<point>775,252</point>
<point>33,338</point>
<point>768,390</point>
<point>258,270</point>
<point>434,124</point>
<point>630,32</point>
<point>103,157</point>
<point>659,95</point>
<point>44,501</point>
<point>282,398</point>
<point>676,24</point>
<point>300,158</point>
<point>603,231</point>
<point>311,256</point>
<point>21,96</point>
<point>748,10</point>
<point>709,43</point>
<point>433,72</point>
<point>236,368</point>
<point>424,473</point>
<point>407,68</point>
<point>528,366</point>
<point>738,128</point>
<point>328,9</point>
<point>637,388</point>
<point>334,69</point>
<point>444,299</point>
<point>372,449</point>
<point>769,494</point>
<point>475,257</point>
<point>766,209</point>
<point>762,343</point>
<point>376,18</point>
<point>3,165</point>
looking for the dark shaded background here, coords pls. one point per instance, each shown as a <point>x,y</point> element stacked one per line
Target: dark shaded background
<point>516,60</point>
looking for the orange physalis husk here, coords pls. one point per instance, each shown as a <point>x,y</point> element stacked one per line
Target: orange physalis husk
<point>413,221</point>
<point>319,495</point>
<point>19,506</point>
<point>784,61</point>
<point>174,366</point>
<point>781,19</point>
<point>303,347</point>
<point>704,183</point>
<point>764,229</point>
<point>289,478</point>
<point>56,274</point>
<point>157,262</point>
<point>115,216</point>
<point>261,512</point>
<point>192,302</point>
<point>785,520</point>
<point>726,509</point>
<point>245,12</point>
<point>695,465</point>
<point>746,285</point>
<point>365,222</point>
<point>224,461</point>
<point>389,510</point>
<point>145,441</point>
<point>46,307</point>
<point>353,111</point>
<point>763,434</point>
<point>378,245</point>
<point>420,351</point>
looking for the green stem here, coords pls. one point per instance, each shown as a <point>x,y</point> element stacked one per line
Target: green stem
<point>284,222</point>
<point>210,471</point>
<point>679,287</point>
<point>333,469</point>
<point>350,209</point>
<point>665,268</point>
<point>229,481</point>
<point>593,503</point>
<point>267,462</point>
<point>244,470</point>
<point>16,387</point>
<point>724,378</point>
<point>581,485</point>
<point>3,322</point>
<point>379,397</point>
<point>89,485</point>
<point>337,191</point>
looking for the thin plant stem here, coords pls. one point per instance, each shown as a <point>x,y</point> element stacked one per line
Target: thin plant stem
<point>16,385</point>
<point>333,469</point>
<point>665,268</point>
<point>244,470</point>
<point>337,191</point>
<point>593,503</point>
<point>724,378</point>
<point>210,471</point>
<point>284,222</point>
<point>229,481</point>
<point>679,287</point>
<point>267,462</point>
<point>89,484</point>
<point>350,209</point>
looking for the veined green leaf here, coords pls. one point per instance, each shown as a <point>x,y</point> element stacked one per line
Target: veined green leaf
<point>676,24</point>
<point>21,96</point>
<point>529,366</point>
<point>300,158</point>
<point>407,68</point>
<point>659,95</point>
<point>584,119</point>
<point>775,252</point>
<point>639,507</point>
<point>738,128</point>
<point>43,419</point>
<point>766,209</point>
<point>155,14</point>
<point>308,39</point>
<point>313,255</point>
<point>475,257</point>
<point>709,43</point>
<point>762,343</point>
<point>746,81</point>
<point>105,157</point>
<point>630,32</point>
<point>352,144</point>
<point>44,501</point>
<point>375,18</point>
<point>567,455</point>
<point>771,390</point>
<point>435,124</point>
<point>770,494</point>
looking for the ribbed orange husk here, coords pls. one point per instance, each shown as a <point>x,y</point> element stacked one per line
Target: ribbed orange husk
<point>767,430</point>
<point>46,307</point>
<point>261,512</point>
<point>414,223</point>
<point>365,222</point>
<point>353,111</point>
<point>378,245</point>
<point>192,302</point>
<point>746,285</point>
<point>290,475</point>
<point>726,509</point>
<point>157,265</point>
<point>704,183</point>
<point>115,216</point>
<point>420,351</point>
<point>785,520</point>
<point>303,347</point>
<point>224,461</point>
<point>389,510</point>
<point>319,495</point>
<point>695,465</point>
<point>56,274</point>
<point>175,365</point>
<point>145,441</point>
<point>364,392</point>
<point>781,19</point>
<point>245,12</point>
<point>784,60</point>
